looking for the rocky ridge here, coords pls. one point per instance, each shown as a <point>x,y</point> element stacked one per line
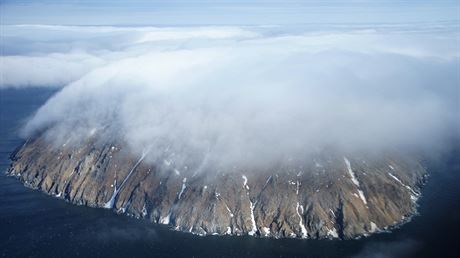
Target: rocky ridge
<point>329,196</point>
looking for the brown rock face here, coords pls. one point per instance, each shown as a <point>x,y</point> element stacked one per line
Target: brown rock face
<point>330,196</point>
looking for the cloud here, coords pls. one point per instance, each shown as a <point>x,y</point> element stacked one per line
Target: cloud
<point>50,70</point>
<point>55,55</point>
<point>249,96</point>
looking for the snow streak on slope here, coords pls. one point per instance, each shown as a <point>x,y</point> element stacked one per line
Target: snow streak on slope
<point>303,230</point>
<point>109,204</point>
<point>413,194</point>
<point>355,180</point>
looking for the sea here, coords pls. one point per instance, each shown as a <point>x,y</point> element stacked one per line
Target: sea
<point>33,224</point>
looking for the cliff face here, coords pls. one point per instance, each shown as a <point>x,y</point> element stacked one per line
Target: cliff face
<point>330,196</point>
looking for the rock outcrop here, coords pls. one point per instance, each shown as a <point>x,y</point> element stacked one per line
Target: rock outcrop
<point>329,196</point>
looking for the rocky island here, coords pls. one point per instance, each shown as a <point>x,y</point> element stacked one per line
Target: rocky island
<point>328,195</point>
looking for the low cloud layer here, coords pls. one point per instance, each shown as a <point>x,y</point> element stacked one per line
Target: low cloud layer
<point>244,96</point>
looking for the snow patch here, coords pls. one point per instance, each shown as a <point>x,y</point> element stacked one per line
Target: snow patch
<point>333,233</point>
<point>253,220</point>
<point>229,211</point>
<point>122,210</point>
<point>245,182</point>
<point>414,195</point>
<point>267,181</point>
<point>355,180</point>
<point>303,230</point>
<point>266,231</point>
<point>297,187</point>
<point>165,220</point>
<point>374,227</point>
<point>350,172</point>
<point>183,188</point>
<point>333,214</point>
<point>361,195</point>
<point>144,211</point>
<point>109,204</point>
<point>395,178</point>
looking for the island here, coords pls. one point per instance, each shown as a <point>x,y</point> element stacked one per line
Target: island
<point>328,195</point>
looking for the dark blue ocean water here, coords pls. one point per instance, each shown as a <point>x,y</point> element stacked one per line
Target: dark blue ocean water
<point>33,224</point>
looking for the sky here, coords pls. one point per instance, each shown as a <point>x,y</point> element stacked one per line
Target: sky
<point>223,12</point>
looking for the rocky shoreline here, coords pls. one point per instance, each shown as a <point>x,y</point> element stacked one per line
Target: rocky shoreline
<point>330,196</point>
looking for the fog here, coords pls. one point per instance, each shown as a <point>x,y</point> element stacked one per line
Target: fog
<point>240,96</point>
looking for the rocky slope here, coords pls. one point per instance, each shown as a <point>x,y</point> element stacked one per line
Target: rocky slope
<point>329,196</point>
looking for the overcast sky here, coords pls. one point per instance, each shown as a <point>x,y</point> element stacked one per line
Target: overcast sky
<point>181,12</point>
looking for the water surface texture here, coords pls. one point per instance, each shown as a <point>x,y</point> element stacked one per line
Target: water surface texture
<point>33,224</point>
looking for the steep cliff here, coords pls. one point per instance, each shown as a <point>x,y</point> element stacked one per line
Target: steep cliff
<point>330,195</point>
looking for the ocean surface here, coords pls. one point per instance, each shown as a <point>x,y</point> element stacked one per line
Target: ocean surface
<point>33,224</point>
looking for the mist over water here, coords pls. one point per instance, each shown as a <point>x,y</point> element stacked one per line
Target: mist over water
<point>246,96</point>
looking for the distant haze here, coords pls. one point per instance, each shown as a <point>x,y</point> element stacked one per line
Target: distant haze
<point>225,12</point>
<point>243,95</point>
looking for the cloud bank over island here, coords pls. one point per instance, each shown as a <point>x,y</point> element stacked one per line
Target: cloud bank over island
<point>245,95</point>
